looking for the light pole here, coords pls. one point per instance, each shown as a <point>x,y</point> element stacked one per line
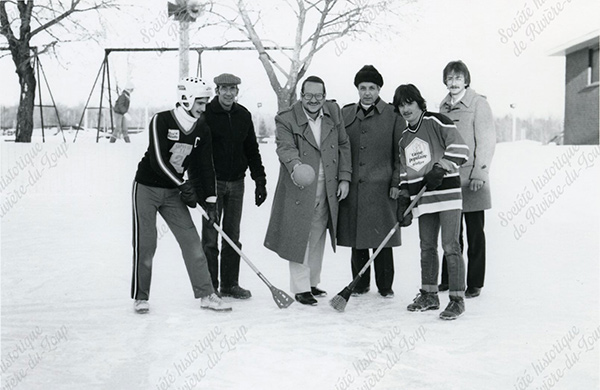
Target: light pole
<point>513,107</point>
<point>185,12</point>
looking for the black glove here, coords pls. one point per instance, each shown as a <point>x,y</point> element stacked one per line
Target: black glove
<point>403,203</point>
<point>211,210</point>
<point>433,179</point>
<point>188,194</point>
<point>260,193</point>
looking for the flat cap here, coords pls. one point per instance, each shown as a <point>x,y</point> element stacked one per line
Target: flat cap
<point>227,79</point>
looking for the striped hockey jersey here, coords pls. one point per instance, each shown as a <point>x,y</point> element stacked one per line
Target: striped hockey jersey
<point>434,140</point>
<point>173,152</point>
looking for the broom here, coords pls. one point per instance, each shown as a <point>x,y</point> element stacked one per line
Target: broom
<point>339,301</point>
<point>281,298</point>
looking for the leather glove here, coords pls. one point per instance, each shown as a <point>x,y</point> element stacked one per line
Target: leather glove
<point>211,211</point>
<point>188,194</point>
<point>260,193</point>
<point>433,179</point>
<point>403,203</point>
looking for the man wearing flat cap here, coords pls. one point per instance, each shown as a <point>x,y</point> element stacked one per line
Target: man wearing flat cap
<point>235,149</point>
<point>369,212</point>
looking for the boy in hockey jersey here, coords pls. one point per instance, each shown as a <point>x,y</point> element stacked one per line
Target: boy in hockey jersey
<point>180,143</point>
<point>431,151</point>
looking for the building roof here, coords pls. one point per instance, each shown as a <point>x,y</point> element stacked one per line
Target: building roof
<point>588,40</point>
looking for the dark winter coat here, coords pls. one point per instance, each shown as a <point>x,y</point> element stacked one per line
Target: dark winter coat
<point>473,118</point>
<point>368,213</point>
<point>291,214</point>
<point>234,142</point>
<point>122,103</point>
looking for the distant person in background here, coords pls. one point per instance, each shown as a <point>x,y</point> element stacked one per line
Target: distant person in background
<point>369,211</point>
<point>309,133</point>
<point>473,118</point>
<point>121,116</point>
<point>235,149</point>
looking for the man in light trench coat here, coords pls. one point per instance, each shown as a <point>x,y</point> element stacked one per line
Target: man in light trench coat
<point>310,132</point>
<point>473,117</point>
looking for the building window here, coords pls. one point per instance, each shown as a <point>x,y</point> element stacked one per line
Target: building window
<point>593,69</point>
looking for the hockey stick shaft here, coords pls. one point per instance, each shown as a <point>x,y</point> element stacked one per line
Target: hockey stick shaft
<point>389,236</point>
<point>236,248</point>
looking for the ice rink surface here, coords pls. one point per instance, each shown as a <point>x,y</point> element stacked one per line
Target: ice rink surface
<point>68,323</point>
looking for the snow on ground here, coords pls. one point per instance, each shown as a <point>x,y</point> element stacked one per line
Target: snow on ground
<point>67,319</point>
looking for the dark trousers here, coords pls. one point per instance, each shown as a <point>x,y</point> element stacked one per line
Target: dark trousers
<point>474,222</point>
<point>230,199</point>
<point>147,202</point>
<point>384,268</point>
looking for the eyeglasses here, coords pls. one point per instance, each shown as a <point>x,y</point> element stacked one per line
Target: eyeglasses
<point>309,96</point>
<point>454,78</point>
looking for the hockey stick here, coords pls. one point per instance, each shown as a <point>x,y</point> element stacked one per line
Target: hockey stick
<point>339,301</point>
<point>282,299</point>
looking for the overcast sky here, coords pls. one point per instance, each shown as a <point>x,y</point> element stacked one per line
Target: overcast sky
<point>431,33</point>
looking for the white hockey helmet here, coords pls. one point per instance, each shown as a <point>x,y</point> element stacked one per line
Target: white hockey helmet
<point>191,88</point>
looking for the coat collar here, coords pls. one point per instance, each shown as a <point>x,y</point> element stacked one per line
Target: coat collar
<point>218,108</point>
<point>327,123</point>
<point>467,99</point>
<point>300,115</point>
<point>358,112</point>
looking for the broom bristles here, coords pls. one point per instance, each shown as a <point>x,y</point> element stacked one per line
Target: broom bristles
<point>339,301</point>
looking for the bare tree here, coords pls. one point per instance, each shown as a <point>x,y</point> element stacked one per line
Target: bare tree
<point>19,25</point>
<point>317,23</point>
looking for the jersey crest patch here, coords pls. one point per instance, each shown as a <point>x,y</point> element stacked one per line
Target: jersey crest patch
<point>173,135</point>
<point>418,154</point>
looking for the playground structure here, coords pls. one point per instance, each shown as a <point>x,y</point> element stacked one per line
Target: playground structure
<point>102,112</point>
<point>39,71</point>
<point>104,71</point>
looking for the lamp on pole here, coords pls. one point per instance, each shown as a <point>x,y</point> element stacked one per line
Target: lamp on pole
<point>513,107</point>
<point>185,12</point>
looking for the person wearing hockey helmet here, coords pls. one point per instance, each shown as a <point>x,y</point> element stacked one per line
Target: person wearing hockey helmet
<point>180,143</point>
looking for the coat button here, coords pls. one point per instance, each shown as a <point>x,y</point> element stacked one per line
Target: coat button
<point>332,146</point>
<point>334,161</point>
<point>297,202</point>
<point>304,153</point>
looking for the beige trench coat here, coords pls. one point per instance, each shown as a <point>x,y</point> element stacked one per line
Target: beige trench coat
<point>473,118</point>
<point>291,213</point>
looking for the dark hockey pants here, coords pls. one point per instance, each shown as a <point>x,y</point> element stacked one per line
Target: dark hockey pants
<point>147,201</point>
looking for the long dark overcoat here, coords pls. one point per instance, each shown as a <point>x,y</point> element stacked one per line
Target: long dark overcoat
<point>473,118</point>
<point>368,213</point>
<point>293,207</point>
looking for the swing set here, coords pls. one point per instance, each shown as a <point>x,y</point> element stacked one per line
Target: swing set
<point>106,80</point>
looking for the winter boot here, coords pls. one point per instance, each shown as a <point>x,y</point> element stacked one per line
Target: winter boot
<point>425,301</point>
<point>213,302</point>
<point>455,308</point>
<point>141,306</point>
<point>236,292</point>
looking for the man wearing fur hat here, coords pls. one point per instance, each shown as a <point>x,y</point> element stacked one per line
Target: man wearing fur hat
<point>235,149</point>
<point>369,211</point>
